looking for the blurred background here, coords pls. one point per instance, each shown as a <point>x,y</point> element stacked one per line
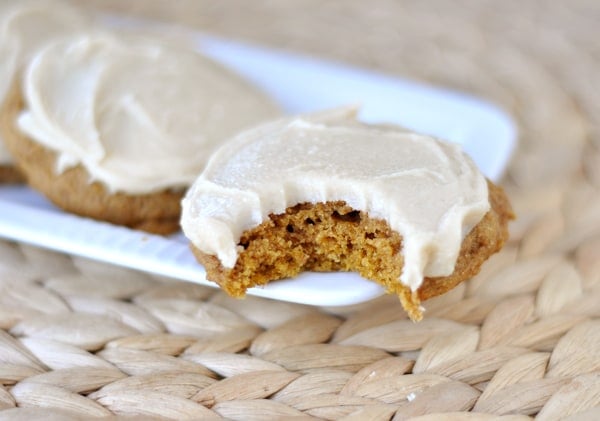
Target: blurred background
<point>535,58</point>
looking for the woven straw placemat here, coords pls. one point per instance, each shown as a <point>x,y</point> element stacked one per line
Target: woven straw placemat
<point>81,339</point>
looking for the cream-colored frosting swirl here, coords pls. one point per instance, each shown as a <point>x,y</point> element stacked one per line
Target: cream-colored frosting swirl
<point>139,114</point>
<point>25,27</point>
<point>427,190</point>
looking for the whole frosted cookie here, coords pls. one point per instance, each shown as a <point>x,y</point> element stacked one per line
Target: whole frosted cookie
<point>325,192</point>
<point>25,27</point>
<point>117,127</point>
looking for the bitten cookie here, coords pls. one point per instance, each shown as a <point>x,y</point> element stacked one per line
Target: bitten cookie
<point>326,193</point>
<point>25,27</point>
<point>117,127</point>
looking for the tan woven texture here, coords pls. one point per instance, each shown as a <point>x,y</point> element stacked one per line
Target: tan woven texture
<point>80,339</point>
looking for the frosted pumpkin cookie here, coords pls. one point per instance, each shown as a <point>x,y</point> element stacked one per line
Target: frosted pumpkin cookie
<point>25,27</point>
<point>325,192</point>
<point>117,127</point>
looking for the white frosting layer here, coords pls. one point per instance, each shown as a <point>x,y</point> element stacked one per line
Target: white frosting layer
<point>25,27</point>
<point>139,114</point>
<point>427,190</point>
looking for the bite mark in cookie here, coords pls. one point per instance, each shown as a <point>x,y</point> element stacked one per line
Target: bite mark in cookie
<point>325,192</point>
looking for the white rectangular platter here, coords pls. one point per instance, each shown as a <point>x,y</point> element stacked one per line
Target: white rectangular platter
<point>299,84</point>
